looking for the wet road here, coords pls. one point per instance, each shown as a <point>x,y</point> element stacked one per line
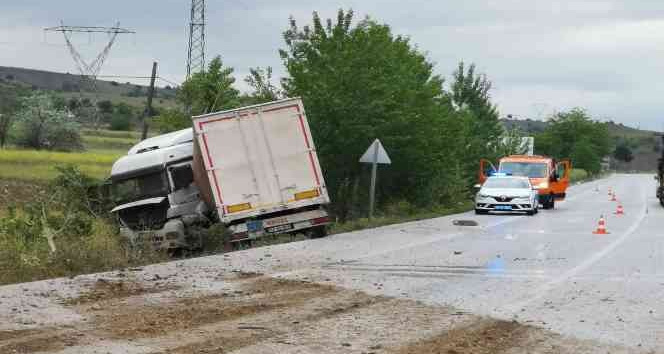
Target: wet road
<point>549,270</point>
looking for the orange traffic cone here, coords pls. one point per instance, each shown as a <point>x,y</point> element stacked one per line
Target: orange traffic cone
<point>601,227</point>
<point>613,197</point>
<point>620,210</point>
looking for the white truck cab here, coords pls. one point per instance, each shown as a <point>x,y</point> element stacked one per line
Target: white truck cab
<point>155,193</point>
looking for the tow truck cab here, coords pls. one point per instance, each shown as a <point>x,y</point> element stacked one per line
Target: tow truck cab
<point>548,176</point>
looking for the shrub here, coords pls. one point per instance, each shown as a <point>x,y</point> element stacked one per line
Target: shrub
<point>172,120</point>
<point>578,174</point>
<point>120,122</point>
<point>62,234</point>
<point>40,124</point>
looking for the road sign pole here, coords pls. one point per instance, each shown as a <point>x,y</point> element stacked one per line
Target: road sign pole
<point>374,157</point>
<point>372,193</point>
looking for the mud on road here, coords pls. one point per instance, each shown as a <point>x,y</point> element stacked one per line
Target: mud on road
<point>252,313</point>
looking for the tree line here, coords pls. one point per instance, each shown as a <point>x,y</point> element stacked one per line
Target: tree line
<point>359,81</point>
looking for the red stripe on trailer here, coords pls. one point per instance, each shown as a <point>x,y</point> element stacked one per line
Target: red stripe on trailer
<point>216,185</point>
<point>207,150</point>
<point>306,140</point>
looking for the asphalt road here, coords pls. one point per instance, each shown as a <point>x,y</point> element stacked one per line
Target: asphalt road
<point>548,270</point>
<point>551,270</point>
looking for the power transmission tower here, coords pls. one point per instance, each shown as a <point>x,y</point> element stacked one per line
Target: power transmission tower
<point>90,70</point>
<point>196,57</point>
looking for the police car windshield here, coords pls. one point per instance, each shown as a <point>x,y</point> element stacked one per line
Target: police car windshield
<point>504,182</point>
<point>525,169</point>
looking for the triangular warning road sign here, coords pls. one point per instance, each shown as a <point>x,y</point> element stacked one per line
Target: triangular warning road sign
<point>376,154</point>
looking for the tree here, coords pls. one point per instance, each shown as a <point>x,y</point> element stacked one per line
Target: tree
<point>10,102</point>
<point>172,120</point>
<point>574,134</point>
<point>360,83</point>
<point>623,153</point>
<point>40,124</point>
<point>121,117</point>
<point>260,80</point>
<point>209,91</point>
<point>105,106</point>
<point>472,92</point>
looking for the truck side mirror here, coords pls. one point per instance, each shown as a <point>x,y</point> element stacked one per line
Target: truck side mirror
<point>182,176</point>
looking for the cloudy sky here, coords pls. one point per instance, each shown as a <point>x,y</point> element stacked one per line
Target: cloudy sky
<point>543,56</point>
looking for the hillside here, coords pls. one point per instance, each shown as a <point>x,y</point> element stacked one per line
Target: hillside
<point>68,85</point>
<point>644,143</point>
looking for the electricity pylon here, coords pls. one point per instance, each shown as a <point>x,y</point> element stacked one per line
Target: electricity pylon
<point>196,55</point>
<point>90,70</point>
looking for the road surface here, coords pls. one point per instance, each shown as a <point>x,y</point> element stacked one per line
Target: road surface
<point>512,284</point>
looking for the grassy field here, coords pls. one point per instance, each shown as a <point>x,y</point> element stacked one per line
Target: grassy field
<point>102,149</point>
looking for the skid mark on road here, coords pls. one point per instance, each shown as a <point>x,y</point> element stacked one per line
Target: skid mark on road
<point>544,290</point>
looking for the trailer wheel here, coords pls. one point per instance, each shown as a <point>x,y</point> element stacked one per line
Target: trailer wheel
<point>317,232</point>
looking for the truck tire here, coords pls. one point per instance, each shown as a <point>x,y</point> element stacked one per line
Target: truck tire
<point>317,232</point>
<point>549,202</point>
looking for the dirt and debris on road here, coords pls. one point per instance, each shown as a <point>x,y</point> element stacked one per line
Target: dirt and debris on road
<point>254,313</point>
<point>106,290</point>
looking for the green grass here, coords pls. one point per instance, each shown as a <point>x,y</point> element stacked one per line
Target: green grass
<point>111,133</point>
<point>102,149</point>
<point>384,220</point>
<point>92,142</point>
<point>39,166</point>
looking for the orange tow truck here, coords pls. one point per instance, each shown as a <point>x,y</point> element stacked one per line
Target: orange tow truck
<point>548,176</point>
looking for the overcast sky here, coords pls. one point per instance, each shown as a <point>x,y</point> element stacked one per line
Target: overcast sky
<point>542,56</point>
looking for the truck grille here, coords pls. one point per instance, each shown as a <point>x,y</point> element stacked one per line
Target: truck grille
<point>145,217</point>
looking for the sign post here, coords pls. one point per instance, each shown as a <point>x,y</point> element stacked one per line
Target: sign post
<point>374,155</point>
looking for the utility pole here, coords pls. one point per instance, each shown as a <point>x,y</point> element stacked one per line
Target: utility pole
<point>148,109</point>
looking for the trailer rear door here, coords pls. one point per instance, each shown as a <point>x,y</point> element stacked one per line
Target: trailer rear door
<point>260,159</point>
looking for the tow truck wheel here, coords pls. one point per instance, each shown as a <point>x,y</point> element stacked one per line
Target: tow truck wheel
<point>549,202</point>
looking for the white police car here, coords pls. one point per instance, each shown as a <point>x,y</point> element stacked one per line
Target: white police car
<point>508,194</point>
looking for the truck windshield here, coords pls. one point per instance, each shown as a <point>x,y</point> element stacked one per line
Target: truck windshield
<point>525,169</point>
<point>140,187</point>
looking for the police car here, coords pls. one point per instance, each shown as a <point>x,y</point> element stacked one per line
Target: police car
<point>505,193</point>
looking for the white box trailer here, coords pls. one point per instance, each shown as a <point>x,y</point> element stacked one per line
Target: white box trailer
<point>258,166</point>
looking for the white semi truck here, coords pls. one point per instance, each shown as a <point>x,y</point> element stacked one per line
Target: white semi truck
<point>254,169</point>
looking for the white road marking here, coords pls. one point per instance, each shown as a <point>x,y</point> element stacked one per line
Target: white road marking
<point>545,289</point>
